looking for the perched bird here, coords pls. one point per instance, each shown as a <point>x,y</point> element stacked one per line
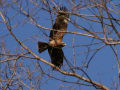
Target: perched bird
<point>55,43</point>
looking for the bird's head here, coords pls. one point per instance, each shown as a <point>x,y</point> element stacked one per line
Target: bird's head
<point>58,43</point>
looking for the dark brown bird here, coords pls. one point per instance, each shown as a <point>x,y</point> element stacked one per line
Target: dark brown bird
<point>55,39</point>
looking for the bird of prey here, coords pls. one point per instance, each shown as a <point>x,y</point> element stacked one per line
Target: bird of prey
<point>55,43</point>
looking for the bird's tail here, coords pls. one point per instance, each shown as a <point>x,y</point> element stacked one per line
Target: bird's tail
<point>42,46</point>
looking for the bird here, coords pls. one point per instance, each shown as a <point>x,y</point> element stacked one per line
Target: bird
<point>55,43</point>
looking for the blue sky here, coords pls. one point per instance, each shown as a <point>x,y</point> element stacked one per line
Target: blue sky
<point>102,68</point>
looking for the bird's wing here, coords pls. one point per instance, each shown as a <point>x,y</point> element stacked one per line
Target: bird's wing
<point>59,27</point>
<point>56,55</point>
